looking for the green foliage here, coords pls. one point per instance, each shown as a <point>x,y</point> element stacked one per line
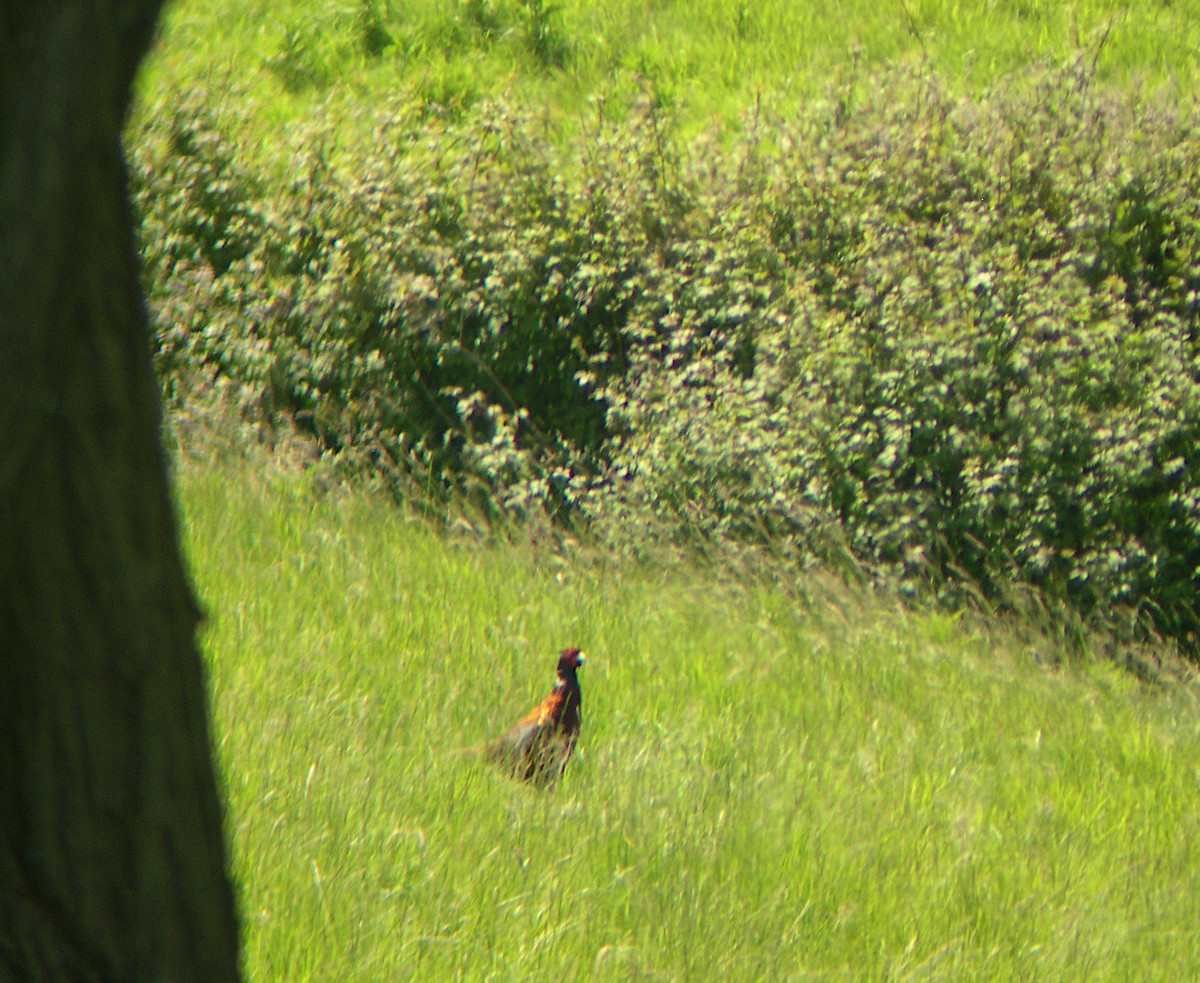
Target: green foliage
<point>543,37</point>
<point>298,63</point>
<point>437,315</point>
<point>370,23</point>
<point>980,368</point>
<point>953,337</point>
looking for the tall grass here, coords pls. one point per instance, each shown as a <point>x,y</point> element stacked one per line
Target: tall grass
<point>711,58</point>
<point>770,785</point>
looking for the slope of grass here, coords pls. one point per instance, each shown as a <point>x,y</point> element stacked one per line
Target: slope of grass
<point>714,58</point>
<point>767,787</point>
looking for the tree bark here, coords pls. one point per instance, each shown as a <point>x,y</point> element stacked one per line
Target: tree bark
<point>112,856</point>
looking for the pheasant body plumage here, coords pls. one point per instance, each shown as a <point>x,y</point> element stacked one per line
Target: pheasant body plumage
<point>536,748</point>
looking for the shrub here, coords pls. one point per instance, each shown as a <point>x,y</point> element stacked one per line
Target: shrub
<point>985,369</point>
<point>449,315</point>
<point>956,338</point>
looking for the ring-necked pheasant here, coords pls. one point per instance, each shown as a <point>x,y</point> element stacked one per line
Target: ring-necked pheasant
<point>536,748</point>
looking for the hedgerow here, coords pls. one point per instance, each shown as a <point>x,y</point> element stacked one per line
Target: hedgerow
<point>956,338</point>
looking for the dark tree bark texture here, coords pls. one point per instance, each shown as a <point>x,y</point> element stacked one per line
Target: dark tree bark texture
<point>112,857</point>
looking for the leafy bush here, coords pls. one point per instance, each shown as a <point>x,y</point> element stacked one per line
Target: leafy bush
<point>985,371</point>
<point>956,338</point>
<point>445,315</point>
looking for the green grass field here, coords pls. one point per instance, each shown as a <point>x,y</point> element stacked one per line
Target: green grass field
<point>711,59</point>
<point>770,785</point>
<point>800,784</point>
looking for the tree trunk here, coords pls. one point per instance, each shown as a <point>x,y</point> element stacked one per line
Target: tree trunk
<point>112,857</point>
